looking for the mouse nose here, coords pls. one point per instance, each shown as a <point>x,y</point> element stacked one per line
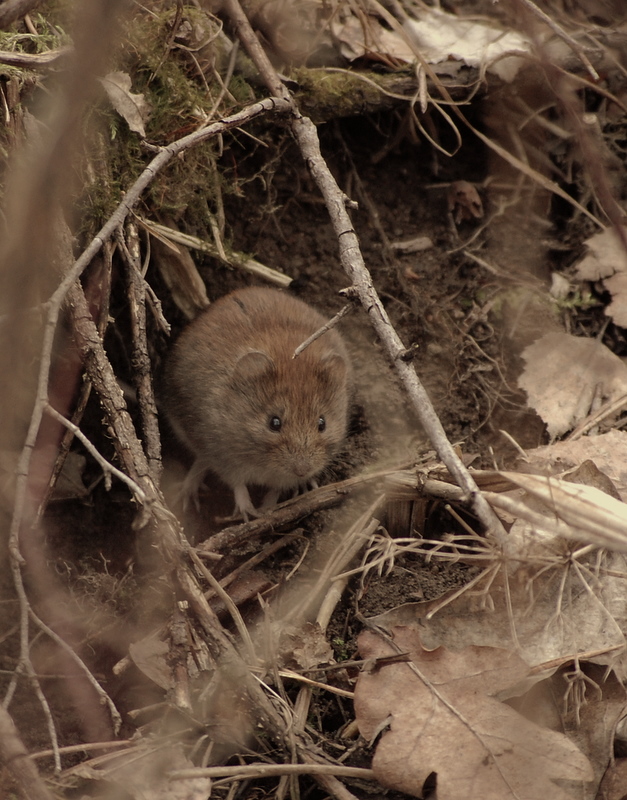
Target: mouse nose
<point>301,466</point>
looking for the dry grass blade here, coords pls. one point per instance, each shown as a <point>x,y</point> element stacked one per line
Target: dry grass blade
<point>588,513</point>
<point>233,260</point>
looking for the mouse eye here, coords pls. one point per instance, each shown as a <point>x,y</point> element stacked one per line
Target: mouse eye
<point>274,423</point>
<point>322,424</point>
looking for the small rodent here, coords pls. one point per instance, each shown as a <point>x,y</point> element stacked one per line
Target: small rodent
<point>246,408</point>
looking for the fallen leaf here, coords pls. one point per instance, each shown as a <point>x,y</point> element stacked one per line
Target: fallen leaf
<point>132,107</point>
<point>617,287</point>
<point>607,450</point>
<point>564,373</point>
<point>604,257</point>
<point>606,260</point>
<point>70,483</point>
<point>305,647</point>
<point>441,36</point>
<point>439,715</point>
<point>149,655</point>
<point>545,602</point>
<point>584,703</point>
<point>368,38</point>
<point>614,781</point>
<point>464,201</point>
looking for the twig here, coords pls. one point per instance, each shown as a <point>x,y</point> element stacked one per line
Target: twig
<point>326,327</point>
<point>606,410</point>
<point>102,281</point>
<point>253,561</point>
<point>291,510</point>
<point>107,468</point>
<point>102,695</point>
<point>31,60</point>
<point>232,259</point>
<point>26,663</point>
<point>352,260</point>
<point>230,606</point>
<point>142,369</point>
<point>249,771</point>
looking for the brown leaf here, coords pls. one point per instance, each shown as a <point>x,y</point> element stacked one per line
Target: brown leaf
<point>132,107</point>
<point>607,450</point>
<point>149,655</point>
<point>464,201</point>
<point>563,375</point>
<point>606,259</point>
<point>305,647</point>
<point>444,718</point>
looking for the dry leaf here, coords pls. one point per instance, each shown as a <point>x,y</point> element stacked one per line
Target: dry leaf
<point>589,719</point>
<point>149,655</point>
<point>464,201</point>
<point>70,483</point>
<point>441,36</point>
<point>305,647</point>
<point>614,781</point>
<point>132,107</point>
<point>439,714</point>
<point>605,256</point>
<point>369,39</point>
<point>565,373</point>
<point>606,260</point>
<point>545,604</point>
<point>607,450</point>
<point>617,287</point>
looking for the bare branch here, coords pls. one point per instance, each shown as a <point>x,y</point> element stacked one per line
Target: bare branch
<point>352,260</point>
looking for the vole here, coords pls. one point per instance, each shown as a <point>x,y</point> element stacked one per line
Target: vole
<point>248,410</point>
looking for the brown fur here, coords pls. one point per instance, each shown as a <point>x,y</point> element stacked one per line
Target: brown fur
<point>232,370</point>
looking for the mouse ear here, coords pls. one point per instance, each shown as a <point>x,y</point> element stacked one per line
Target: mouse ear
<point>250,367</point>
<point>335,365</point>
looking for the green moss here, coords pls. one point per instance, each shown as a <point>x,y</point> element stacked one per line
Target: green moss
<point>177,77</point>
<point>180,99</point>
<point>325,95</point>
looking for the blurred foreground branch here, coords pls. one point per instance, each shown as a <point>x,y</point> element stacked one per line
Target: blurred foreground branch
<point>11,10</point>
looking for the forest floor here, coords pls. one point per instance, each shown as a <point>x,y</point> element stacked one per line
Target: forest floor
<point>387,630</point>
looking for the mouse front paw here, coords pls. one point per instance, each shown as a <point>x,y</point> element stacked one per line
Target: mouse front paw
<point>243,504</point>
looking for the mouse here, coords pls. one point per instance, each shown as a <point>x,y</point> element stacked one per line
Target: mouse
<point>245,408</point>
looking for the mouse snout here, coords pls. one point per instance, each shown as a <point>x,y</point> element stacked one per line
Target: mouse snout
<point>302,466</point>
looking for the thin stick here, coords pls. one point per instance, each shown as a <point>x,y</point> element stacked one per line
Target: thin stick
<point>326,327</point>
<point>107,468</point>
<point>249,771</point>
<point>142,372</point>
<point>353,262</point>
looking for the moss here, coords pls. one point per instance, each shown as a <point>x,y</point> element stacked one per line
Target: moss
<point>325,95</point>
<point>177,77</point>
<point>180,99</point>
